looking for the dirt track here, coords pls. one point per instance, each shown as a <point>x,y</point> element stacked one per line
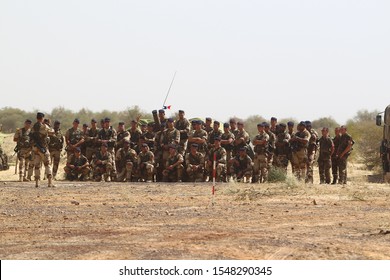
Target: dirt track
<point>160,221</point>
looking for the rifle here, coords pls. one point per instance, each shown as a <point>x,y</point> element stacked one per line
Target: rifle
<point>38,143</point>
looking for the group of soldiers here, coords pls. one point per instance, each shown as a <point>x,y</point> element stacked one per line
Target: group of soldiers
<point>178,150</point>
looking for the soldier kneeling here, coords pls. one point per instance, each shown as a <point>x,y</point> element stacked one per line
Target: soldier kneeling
<point>241,166</point>
<point>195,164</point>
<point>102,164</point>
<point>77,165</point>
<point>146,164</point>
<point>174,167</point>
<point>126,162</point>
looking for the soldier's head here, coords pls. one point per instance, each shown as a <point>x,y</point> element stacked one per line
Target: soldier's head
<point>226,127</point>
<point>40,117</point>
<point>121,126</point>
<point>104,147</point>
<point>337,131</point>
<point>77,152</point>
<point>126,144</point>
<point>93,123</point>
<point>144,127</point>
<point>161,114</point>
<point>240,125</point>
<point>260,127</point>
<point>172,149</point>
<point>308,125</point>
<point>76,123</point>
<point>208,122</point>
<point>266,126</point>
<point>102,123</point>
<point>233,124</point>
<point>150,127</point>
<point>134,124</point>
<point>144,147</point>
<point>325,131</point>
<point>274,121</point>
<point>216,125</point>
<point>282,127</point>
<point>85,127</point>
<point>242,151</point>
<point>181,114</point>
<point>198,125</point>
<point>343,130</point>
<point>170,123</point>
<point>301,126</point>
<point>57,124</point>
<point>290,126</point>
<point>27,123</point>
<point>194,148</point>
<point>217,142</point>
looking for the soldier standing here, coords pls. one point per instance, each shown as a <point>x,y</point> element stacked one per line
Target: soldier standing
<point>107,135</point>
<point>343,152</point>
<point>324,159</point>
<point>170,136</point>
<point>126,162</point>
<point>299,143</point>
<point>271,145</point>
<point>135,134</point>
<point>91,140</point>
<point>335,160</point>
<point>122,136</point>
<point>74,138</point>
<point>195,164</point>
<point>183,126</point>
<point>242,138</point>
<point>227,139</point>
<point>260,143</point>
<point>23,149</point>
<point>198,136</point>
<point>158,153</point>
<point>216,132</point>
<point>56,144</point>
<point>207,125</point>
<point>311,152</point>
<point>39,134</point>
<point>149,136</point>
<point>274,122</point>
<point>282,148</point>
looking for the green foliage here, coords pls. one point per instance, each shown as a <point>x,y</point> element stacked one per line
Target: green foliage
<point>276,175</point>
<point>328,122</point>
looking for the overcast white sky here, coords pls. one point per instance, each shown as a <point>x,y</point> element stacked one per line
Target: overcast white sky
<point>283,58</point>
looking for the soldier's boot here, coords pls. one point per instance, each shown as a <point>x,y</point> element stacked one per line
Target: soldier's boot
<point>107,178</point>
<point>21,178</point>
<point>128,176</point>
<point>36,182</point>
<point>50,181</point>
<point>180,175</point>
<point>334,182</point>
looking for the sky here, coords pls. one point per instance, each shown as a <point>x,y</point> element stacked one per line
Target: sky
<point>283,58</point>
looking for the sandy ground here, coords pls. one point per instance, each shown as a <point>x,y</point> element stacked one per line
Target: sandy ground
<point>179,221</point>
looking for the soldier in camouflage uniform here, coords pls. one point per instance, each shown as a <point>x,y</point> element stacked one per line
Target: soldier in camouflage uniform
<point>260,143</point>
<point>102,163</point>
<point>108,136</point>
<point>162,118</point>
<point>271,145</point>
<point>83,146</point>
<point>146,164</point>
<point>91,140</point>
<point>76,166</point>
<point>343,152</point>
<point>173,171</point>
<point>183,126</point>
<point>311,152</point>
<point>135,134</point>
<point>23,149</point>
<point>216,132</point>
<point>325,153</point>
<point>149,136</point>
<point>122,136</point>
<point>227,139</point>
<point>56,144</point>
<point>335,160</point>
<point>242,166</point>
<point>198,136</point>
<point>170,136</point>
<point>282,148</point>
<point>291,132</point>
<point>74,138</point>
<point>274,123</point>
<point>195,164</point>
<point>207,125</point>
<point>158,153</point>
<point>39,135</point>
<point>242,138</point>
<point>299,143</point>
<point>220,161</point>
<point>126,162</point>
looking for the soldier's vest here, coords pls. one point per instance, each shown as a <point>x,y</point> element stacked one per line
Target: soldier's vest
<point>227,136</point>
<point>100,156</point>
<point>145,157</point>
<point>312,147</point>
<point>75,136</point>
<point>37,138</point>
<point>24,138</point>
<point>336,143</point>
<point>325,148</point>
<point>214,134</point>
<point>174,159</point>
<point>344,139</point>
<point>261,149</point>
<point>78,161</point>
<point>135,135</point>
<point>107,135</point>
<point>220,152</point>
<point>56,141</point>
<point>170,136</point>
<point>182,125</point>
<point>283,148</point>
<point>243,163</point>
<point>200,134</point>
<point>127,156</point>
<point>271,143</point>
<point>297,146</point>
<point>93,133</point>
<point>195,159</point>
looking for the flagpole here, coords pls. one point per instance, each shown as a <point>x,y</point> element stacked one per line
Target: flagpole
<point>170,86</point>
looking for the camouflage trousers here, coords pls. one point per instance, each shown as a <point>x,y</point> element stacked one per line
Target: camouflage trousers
<point>25,159</point>
<point>73,173</point>
<point>40,158</point>
<point>195,174</point>
<point>90,151</point>
<point>309,168</point>
<point>343,170</point>
<point>126,172</point>
<point>173,175</point>
<point>220,171</point>
<point>335,169</point>
<point>55,157</point>
<point>240,174</point>
<point>324,166</point>
<point>260,168</point>
<point>146,171</point>
<point>183,146</point>
<point>299,162</point>
<point>102,170</point>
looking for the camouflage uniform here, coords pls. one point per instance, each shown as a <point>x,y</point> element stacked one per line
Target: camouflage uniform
<point>73,137</point>
<point>109,136</point>
<point>195,166</point>
<point>24,148</point>
<point>135,134</point>
<point>210,139</point>
<point>56,144</point>
<point>170,136</point>
<point>242,139</point>
<point>149,139</point>
<point>220,166</point>
<point>335,160</point>
<point>226,137</point>
<point>242,167</point>
<point>299,143</point>
<point>102,164</point>
<point>198,137</point>
<point>324,159</point>
<point>77,165</point>
<point>311,155</point>
<point>261,157</point>
<point>158,153</point>
<point>122,136</point>
<point>174,168</point>
<point>282,150</point>
<point>345,142</point>
<point>126,163</point>
<point>146,165</point>
<point>183,126</point>
<point>91,142</point>
<point>40,133</point>
<point>271,148</point>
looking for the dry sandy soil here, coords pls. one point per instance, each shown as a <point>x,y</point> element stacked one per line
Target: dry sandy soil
<point>179,221</point>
